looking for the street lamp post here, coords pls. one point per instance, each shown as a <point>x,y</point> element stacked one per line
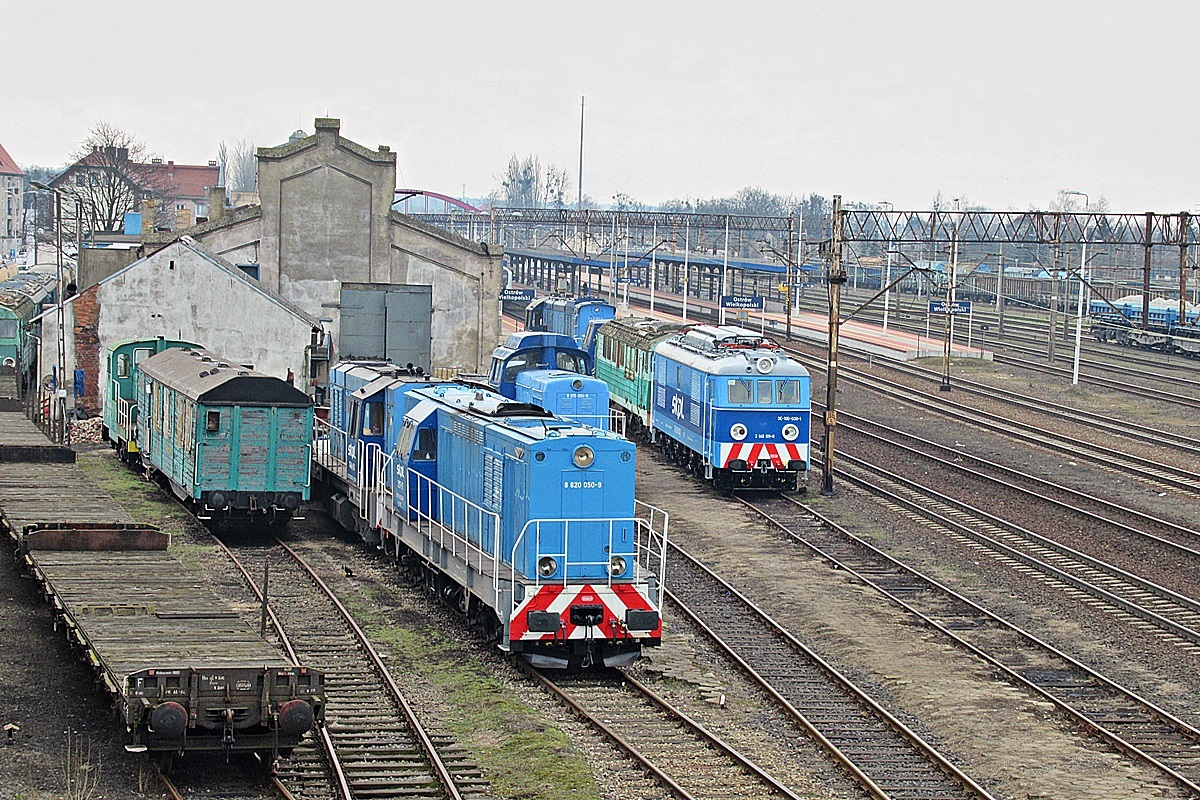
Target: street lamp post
<point>60,390</point>
<point>1079,304</point>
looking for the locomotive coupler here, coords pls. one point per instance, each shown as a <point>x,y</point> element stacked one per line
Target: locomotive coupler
<point>227,734</point>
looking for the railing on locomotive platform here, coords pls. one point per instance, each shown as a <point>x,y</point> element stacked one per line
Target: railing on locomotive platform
<point>473,532</point>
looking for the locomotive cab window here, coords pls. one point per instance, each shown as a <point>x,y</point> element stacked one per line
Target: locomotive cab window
<point>212,421</point>
<point>766,392</point>
<point>141,354</point>
<point>789,391</point>
<point>8,329</point>
<point>372,419</point>
<point>122,365</point>
<point>426,449</point>
<point>569,362</point>
<point>739,391</point>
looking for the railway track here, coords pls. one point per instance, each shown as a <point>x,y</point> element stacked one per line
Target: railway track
<point>681,755</point>
<point>215,783</point>
<point>1108,458</point>
<point>1125,428</point>
<point>1172,616</point>
<point>886,758</point>
<point>1173,536</point>
<point>372,744</point>
<point>1121,717</point>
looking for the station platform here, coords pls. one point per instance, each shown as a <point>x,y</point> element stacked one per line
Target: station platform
<point>855,336</point>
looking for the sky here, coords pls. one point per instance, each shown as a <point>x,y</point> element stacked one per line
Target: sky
<point>1002,104</point>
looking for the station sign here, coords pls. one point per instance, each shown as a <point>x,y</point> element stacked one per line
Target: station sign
<point>741,302</point>
<point>516,295</point>
<point>958,307</point>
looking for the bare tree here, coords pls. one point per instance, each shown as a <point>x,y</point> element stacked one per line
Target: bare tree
<point>525,185</point>
<point>241,171</point>
<point>113,173</point>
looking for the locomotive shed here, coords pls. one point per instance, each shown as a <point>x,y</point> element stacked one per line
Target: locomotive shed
<point>154,634</point>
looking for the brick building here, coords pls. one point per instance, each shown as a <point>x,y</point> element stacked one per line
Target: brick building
<point>12,184</point>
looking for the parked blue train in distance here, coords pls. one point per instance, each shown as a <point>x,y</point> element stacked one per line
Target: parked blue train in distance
<point>524,522</point>
<point>232,442</point>
<point>578,317</point>
<point>1120,321</point>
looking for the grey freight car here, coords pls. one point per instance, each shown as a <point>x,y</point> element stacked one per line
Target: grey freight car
<point>185,671</point>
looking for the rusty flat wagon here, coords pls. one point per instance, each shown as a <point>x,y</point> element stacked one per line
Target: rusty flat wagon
<point>185,671</point>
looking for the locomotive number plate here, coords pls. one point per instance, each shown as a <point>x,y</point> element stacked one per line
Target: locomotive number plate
<point>583,484</point>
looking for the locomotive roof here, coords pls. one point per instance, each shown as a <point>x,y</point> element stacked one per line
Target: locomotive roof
<point>206,378</point>
<point>524,419</point>
<point>640,331</point>
<point>25,291</point>
<point>730,350</point>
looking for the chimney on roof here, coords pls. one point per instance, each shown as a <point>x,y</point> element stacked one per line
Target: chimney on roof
<point>147,216</point>
<point>216,202</point>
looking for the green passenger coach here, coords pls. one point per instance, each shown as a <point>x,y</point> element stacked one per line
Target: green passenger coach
<point>623,351</point>
<point>232,441</point>
<point>120,401</point>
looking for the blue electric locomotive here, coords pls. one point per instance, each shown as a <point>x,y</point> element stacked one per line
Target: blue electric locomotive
<point>577,317</point>
<point>524,522</point>
<point>732,405</point>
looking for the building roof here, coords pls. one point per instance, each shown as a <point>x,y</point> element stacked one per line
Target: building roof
<point>7,165</point>
<point>184,181</point>
<point>222,264</point>
<point>188,181</point>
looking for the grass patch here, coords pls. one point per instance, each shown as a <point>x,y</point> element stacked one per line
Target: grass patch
<point>145,501</point>
<point>521,755</point>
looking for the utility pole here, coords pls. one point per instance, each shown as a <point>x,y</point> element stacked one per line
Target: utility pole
<point>1053,296</point>
<point>1000,295</point>
<point>1146,272</point>
<point>948,320</point>
<point>579,199</point>
<point>837,276</point>
<point>1185,221</point>
<point>790,283</point>
<point>725,270</point>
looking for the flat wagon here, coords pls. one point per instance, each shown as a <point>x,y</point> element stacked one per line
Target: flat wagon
<point>185,672</point>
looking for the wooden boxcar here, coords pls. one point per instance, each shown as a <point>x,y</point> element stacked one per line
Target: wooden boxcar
<point>120,401</point>
<point>233,441</point>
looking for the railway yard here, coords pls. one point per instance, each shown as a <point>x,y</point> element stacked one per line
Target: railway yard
<point>1000,600</point>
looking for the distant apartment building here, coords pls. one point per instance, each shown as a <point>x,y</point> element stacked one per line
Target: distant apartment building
<point>12,184</point>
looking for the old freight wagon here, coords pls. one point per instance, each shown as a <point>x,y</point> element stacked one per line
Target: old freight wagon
<point>232,441</point>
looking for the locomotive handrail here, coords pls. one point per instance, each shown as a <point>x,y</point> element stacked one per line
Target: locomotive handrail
<point>432,515</point>
<point>654,547</point>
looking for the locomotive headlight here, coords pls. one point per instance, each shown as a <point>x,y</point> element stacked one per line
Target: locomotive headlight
<point>547,566</point>
<point>584,456</point>
<point>616,566</point>
<point>790,432</point>
<point>738,431</point>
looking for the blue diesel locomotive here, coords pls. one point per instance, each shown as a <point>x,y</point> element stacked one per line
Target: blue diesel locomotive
<point>578,317</point>
<point>529,350</point>
<point>524,522</point>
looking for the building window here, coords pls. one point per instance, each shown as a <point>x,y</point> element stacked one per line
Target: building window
<point>212,421</point>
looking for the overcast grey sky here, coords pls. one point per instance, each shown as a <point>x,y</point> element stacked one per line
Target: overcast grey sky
<point>1003,103</point>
